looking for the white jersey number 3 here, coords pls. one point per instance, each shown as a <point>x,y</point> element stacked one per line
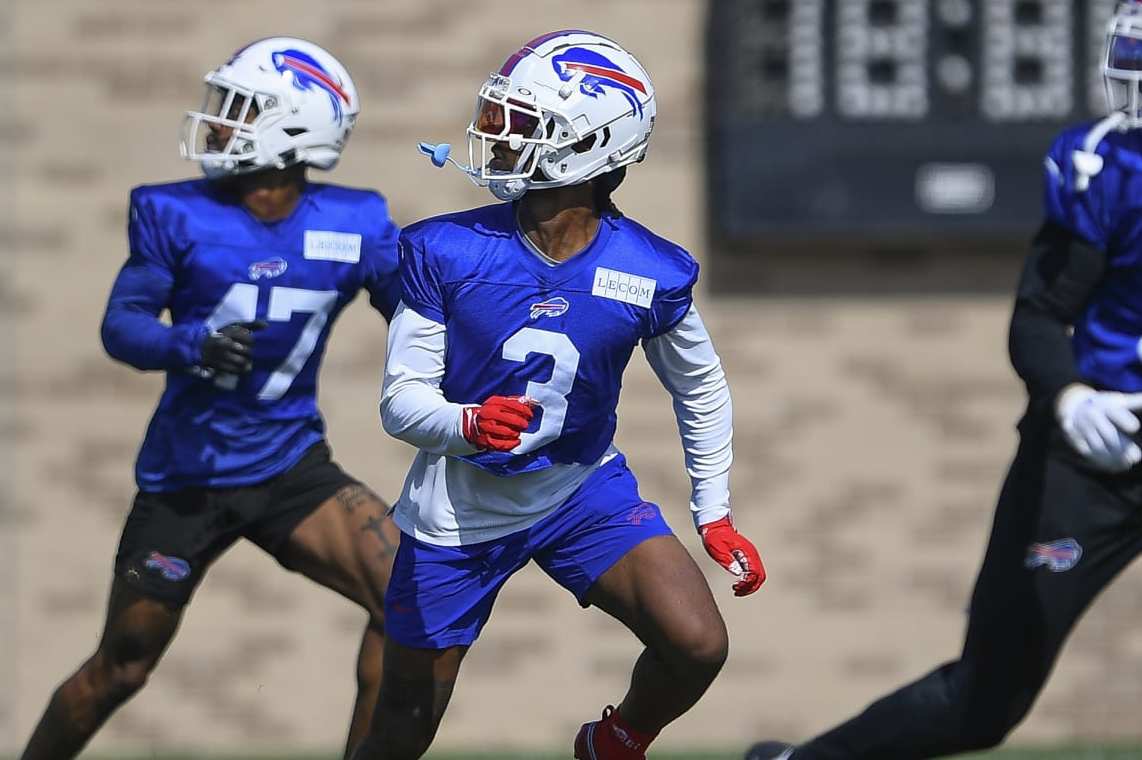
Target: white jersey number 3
<point>551,395</point>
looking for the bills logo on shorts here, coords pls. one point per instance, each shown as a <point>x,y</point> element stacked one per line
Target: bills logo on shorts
<point>269,268</point>
<point>171,568</point>
<point>642,513</point>
<point>1057,556</point>
<point>552,307</point>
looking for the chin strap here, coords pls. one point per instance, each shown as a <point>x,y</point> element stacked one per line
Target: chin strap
<point>1087,162</point>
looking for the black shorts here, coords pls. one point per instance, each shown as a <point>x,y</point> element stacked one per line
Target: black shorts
<point>172,537</point>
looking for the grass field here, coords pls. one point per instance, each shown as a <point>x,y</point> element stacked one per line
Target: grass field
<point>1054,753</point>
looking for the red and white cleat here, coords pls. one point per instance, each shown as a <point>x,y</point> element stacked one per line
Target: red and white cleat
<point>609,739</point>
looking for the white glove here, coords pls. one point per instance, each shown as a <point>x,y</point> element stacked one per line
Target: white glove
<point>1099,425</point>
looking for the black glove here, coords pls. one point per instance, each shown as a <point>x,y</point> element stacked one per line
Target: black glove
<point>229,350</point>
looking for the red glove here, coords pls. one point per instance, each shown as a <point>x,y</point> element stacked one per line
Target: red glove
<point>734,552</point>
<point>497,423</point>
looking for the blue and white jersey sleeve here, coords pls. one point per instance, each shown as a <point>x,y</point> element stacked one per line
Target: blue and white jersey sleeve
<point>413,408</point>
<point>1070,199</point>
<point>421,289</point>
<point>673,303</point>
<point>685,362</point>
<point>381,261</point>
<point>131,330</point>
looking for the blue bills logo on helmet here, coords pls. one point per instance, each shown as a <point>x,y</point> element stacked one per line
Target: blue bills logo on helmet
<point>171,568</point>
<point>599,73</point>
<point>308,73</point>
<point>1057,556</point>
<point>268,269</point>
<point>552,307</point>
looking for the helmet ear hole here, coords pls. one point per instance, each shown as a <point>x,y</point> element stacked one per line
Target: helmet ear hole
<point>295,131</point>
<point>586,143</point>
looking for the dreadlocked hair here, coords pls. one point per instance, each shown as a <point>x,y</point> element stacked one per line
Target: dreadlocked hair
<point>605,184</point>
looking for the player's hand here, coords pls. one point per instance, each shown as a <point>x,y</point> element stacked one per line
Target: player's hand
<point>229,350</point>
<point>1099,425</point>
<point>734,552</point>
<point>497,423</point>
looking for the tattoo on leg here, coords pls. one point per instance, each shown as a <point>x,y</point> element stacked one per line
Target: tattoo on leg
<point>354,496</point>
<point>374,525</point>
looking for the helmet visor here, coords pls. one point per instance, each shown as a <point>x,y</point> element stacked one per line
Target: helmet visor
<point>504,118</point>
<point>1124,53</point>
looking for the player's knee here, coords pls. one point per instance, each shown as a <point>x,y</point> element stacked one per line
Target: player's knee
<point>117,680</point>
<point>701,645</point>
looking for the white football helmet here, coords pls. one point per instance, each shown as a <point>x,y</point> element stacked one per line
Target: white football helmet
<point>570,105</point>
<point>277,102</point>
<point>1122,63</point>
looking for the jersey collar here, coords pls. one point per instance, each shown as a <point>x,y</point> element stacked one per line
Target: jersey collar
<point>564,270</point>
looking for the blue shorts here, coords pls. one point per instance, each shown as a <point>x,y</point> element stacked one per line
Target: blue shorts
<point>441,596</point>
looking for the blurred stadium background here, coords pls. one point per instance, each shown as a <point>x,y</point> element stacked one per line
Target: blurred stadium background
<point>858,178</point>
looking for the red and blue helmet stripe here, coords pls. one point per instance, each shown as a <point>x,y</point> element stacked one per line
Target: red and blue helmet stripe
<point>307,73</point>
<point>600,73</point>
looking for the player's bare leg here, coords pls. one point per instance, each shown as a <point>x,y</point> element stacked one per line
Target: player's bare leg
<point>415,689</point>
<point>659,593</point>
<point>369,667</point>
<point>347,545</point>
<point>137,632</point>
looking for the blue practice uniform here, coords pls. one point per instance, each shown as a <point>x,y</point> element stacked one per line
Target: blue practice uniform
<point>484,313</point>
<point>1105,213</point>
<point>196,251</point>
<point>559,334</point>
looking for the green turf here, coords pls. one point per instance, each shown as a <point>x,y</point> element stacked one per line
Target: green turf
<point>1041,753</point>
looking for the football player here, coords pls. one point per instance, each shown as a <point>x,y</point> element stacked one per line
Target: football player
<point>254,263</point>
<point>504,367</point>
<point>1067,521</point>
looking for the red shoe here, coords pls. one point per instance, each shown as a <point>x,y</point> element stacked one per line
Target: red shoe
<point>609,739</point>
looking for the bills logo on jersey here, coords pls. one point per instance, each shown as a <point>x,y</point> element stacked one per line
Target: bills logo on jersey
<point>599,75</point>
<point>308,73</point>
<point>269,268</point>
<point>171,568</point>
<point>552,307</point>
<point>1056,556</point>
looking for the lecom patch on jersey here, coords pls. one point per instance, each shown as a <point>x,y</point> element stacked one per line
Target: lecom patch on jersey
<point>620,286</point>
<point>333,246</point>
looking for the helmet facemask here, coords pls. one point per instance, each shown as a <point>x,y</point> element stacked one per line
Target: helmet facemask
<point>1122,66</point>
<point>224,135</point>
<point>549,150</point>
<point>276,103</point>
<point>521,130</point>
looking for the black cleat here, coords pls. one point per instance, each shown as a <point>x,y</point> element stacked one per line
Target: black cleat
<point>770,751</point>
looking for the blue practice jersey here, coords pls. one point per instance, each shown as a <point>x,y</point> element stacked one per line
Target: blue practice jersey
<point>196,251</point>
<point>560,335</point>
<point>1108,215</point>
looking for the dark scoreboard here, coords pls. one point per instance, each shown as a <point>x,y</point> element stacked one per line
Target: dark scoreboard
<point>842,126</point>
